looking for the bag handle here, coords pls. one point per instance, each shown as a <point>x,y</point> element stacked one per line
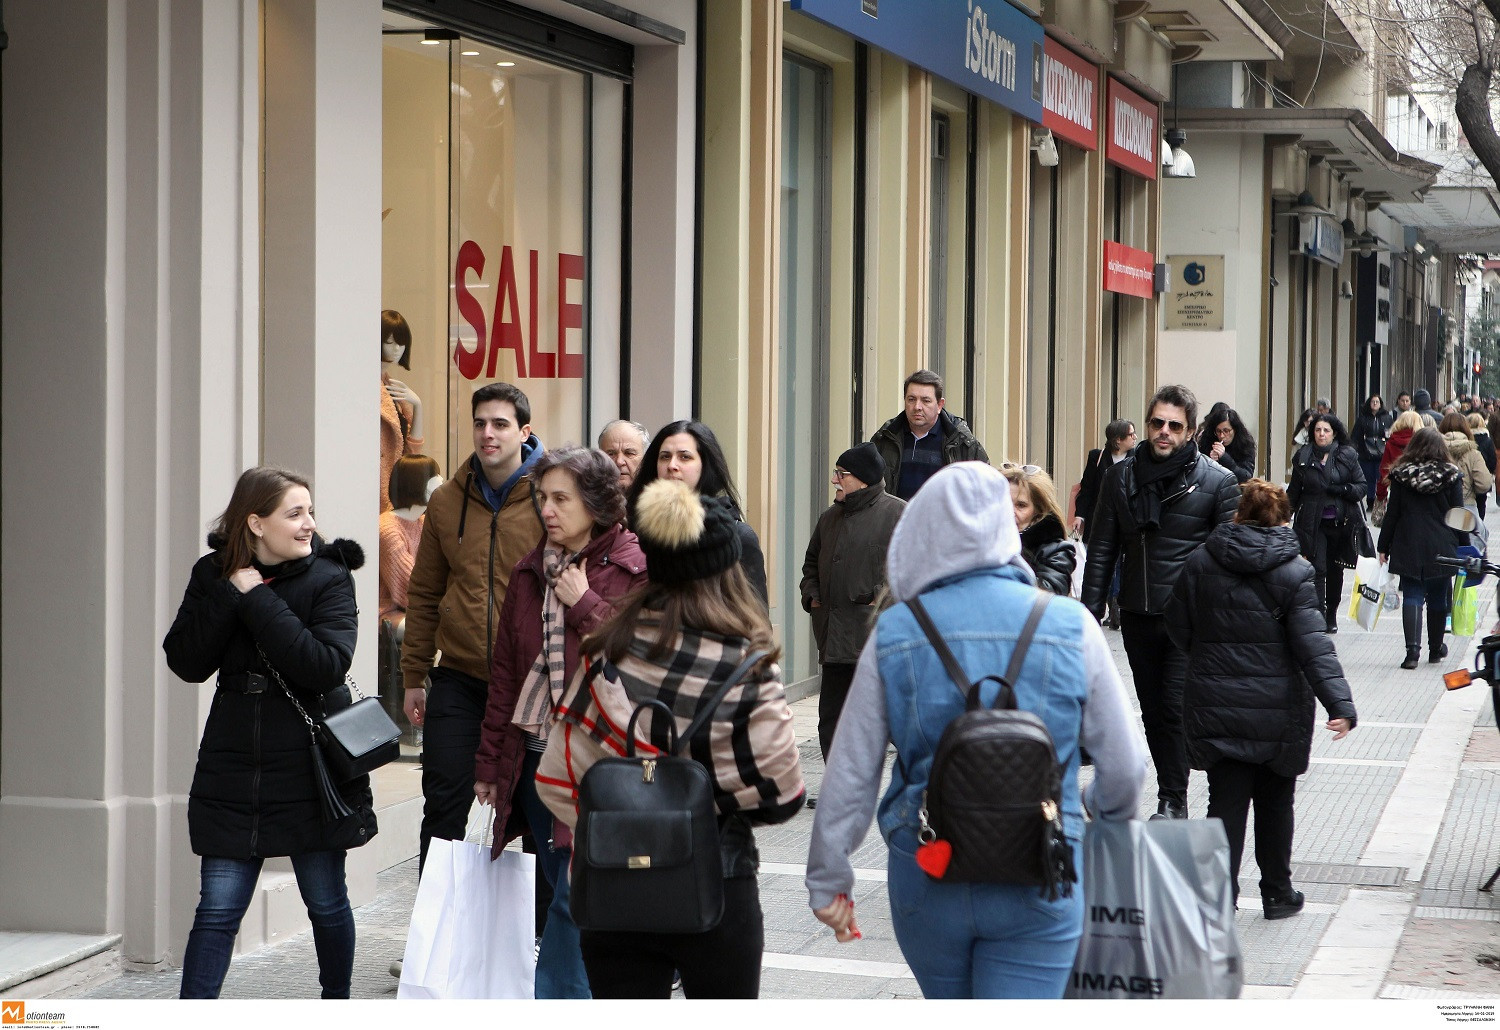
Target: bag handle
<point>705,712</point>
<point>956,671</point>
<point>1278,612</point>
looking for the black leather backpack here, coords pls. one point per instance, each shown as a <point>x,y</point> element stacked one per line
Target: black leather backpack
<point>646,849</point>
<point>992,809</point>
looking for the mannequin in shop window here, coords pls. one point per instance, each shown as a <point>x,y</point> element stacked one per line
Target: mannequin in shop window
<point>411,484</point>
<point>400,407</point>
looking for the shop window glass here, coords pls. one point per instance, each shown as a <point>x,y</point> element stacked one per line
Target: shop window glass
<point>486,230</point>
<point>805,226</point>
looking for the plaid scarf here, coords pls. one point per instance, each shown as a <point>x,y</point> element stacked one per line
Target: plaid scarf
<point>748,746</point>
<point>544,684</point>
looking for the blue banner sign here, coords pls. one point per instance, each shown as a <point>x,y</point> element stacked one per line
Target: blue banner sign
<point>986,47</point>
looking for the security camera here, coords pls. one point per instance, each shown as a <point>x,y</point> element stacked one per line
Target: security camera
<point>1045,146</point>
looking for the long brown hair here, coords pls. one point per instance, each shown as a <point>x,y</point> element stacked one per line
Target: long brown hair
<point>724,603</point>
<point>259,492</point>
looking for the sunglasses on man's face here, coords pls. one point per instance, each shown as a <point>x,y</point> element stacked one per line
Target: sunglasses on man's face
<point>1158,424</point>
<point>1026,470</point>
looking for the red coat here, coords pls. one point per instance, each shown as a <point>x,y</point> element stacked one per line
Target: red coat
<point>615,566</point>
<point>1395,446</point>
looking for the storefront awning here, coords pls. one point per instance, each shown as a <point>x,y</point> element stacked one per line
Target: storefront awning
<point>1344,138</point>
<point>1219,30</point>
<point>1461,213</point>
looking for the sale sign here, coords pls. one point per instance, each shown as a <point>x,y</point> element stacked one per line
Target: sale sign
<point>534,357</point>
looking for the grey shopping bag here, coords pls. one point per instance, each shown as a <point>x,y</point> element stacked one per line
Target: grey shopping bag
<point>1158,913</point>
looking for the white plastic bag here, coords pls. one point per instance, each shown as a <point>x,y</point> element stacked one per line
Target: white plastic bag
<point>1159,913</point>
<point>1373,586</point>
<point>472,931</point>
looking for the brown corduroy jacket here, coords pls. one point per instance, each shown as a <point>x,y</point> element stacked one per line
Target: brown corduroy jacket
<point>461,572</point>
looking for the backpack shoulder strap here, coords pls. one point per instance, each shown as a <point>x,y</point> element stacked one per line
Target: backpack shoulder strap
<point>750,661</point>
<point>1017,657</point>
<point>1278,612</point>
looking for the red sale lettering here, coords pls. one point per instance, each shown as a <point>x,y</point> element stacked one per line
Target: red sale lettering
<point>469,257</point>
<point>543,363</point>
<point>569,316</point>
<point>505,332</point>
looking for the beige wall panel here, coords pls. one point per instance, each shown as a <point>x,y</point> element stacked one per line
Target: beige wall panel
<point>999,287</point>
<point>886,249</point>
<point>918,216</point>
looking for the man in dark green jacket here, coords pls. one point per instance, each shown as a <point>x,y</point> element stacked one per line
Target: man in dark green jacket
<point>844,571</point>
<point>923,438</point>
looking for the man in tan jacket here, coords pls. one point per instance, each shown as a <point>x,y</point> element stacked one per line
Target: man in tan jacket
<point>479,524</point>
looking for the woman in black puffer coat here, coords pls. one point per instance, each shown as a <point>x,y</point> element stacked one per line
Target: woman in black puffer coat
<point>1044,542</point>
<point>1327,486</point>
<point>1245,612</point>
<point>1424,485</point>
<point>269,587</point>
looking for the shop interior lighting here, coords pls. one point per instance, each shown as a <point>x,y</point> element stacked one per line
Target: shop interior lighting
<point>470,53</point>
<point>505,64</point>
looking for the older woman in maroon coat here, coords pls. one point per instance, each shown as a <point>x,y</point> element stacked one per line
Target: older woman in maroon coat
<point>566,587</point>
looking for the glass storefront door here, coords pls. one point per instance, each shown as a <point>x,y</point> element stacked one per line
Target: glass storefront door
<point>486,229</point>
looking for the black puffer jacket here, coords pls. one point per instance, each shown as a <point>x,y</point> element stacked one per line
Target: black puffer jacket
<point>1050,554</point>
<point>253,793</point>
<point>1413,532</point>
<point>1368,436</point>
<point>1340,483</point>
<point>1194,503</point>
<point>1246,694</point>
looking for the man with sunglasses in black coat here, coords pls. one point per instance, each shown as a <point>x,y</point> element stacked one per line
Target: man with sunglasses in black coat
<point>1156,508</point>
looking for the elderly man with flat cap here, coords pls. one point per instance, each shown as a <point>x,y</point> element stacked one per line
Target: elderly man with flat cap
<point>843,573</point>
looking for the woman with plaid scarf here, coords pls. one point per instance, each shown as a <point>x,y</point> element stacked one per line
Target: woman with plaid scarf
<point>675,642</point>
<point>567,586</point>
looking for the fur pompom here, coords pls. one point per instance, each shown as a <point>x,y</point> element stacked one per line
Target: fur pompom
<point>669,514</point>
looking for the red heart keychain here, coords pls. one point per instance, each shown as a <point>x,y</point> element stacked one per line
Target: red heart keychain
<point>934,857</point>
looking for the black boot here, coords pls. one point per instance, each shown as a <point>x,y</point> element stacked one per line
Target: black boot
<point>1333,590</point>
<point>1279,907</point>
<point>1411,625</point>
<point>1436,621</point>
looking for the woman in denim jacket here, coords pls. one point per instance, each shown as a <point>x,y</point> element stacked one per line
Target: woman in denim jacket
<point>968,940</point>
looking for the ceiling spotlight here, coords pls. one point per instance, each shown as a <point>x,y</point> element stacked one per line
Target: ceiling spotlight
<point>470,53</point>
<point>1045,146</point>
<point>505,64</point>
<point>1182,162</point>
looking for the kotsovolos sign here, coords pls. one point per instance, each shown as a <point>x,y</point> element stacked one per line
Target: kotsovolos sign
<point>1132,130</point>
<point>1070,96</point>
<point>986,47</point>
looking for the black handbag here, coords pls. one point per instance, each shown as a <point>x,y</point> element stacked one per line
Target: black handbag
<point>345,744</point>
<point>646,848</point>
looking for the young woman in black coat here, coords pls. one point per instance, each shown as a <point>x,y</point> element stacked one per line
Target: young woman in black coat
<point>1327,486</point>
<point>1368,438</point>
<point>1424,485</point>
<point>270,595</point>
<point>1225,439</point>
<point>1245,611</point>
<point>1044,542</point>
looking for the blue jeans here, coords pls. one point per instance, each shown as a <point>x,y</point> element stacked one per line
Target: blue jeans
<point>225,889</point>
<point>559,963</point>
<point>983,940</point>
<point>1371,469</point>
<point>1432,592</point>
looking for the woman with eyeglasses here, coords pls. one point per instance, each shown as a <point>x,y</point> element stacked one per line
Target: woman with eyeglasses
<point>1327,486</point>
<point>1225,439</point>
<point>1044,543</point>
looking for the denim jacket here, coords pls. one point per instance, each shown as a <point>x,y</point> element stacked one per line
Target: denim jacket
<point>980,615</point>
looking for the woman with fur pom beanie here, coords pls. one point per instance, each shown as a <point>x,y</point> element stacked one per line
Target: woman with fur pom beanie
<point>676,641</point>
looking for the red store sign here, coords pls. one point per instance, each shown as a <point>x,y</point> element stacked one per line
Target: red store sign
<point>1129,271</point>
<point>1070,96</point>
<point>1132,130</point>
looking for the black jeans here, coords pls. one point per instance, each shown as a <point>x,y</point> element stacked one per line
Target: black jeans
<point>1159,669</point>
<point>834,690</point>
<point>1232,786</point>
<point>722,963</point>
<point>450,736</point>
<point>1328,575</point>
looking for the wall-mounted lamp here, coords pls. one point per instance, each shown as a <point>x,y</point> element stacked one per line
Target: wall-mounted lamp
<point>1045,147</point>
<point>1346,290</point>
<point>1307,205</point>
<point>1181,166</point>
